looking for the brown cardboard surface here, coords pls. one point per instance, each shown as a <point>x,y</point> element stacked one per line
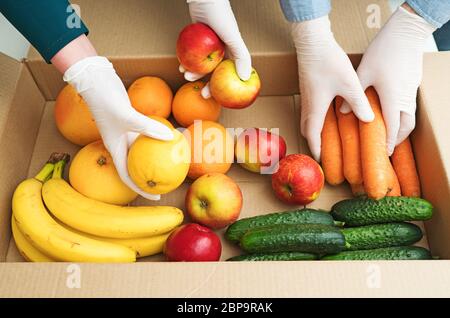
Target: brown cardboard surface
<point>136,28</point>
<point>433,153</point>
<point>267,112</point>
<point>28,136</point>
<point>257,279</point>
<point>21,106</point>
<point>9,77</point>
<point>149,278</point>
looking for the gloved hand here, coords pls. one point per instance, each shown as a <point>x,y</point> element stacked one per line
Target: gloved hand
<point>218,15</point>
<point>393,66</point>
<point>325,72</point>
<point>119,123</point>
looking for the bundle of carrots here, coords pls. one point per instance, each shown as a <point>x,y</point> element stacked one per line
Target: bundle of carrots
<point>356,151</point>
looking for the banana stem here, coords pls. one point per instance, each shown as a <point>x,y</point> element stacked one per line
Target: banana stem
<point>49,169</point>
<point>45,173</point>
<point>59,169</point>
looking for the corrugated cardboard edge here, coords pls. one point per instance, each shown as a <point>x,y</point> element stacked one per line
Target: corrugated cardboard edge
<point>274,71</point>
<point>24,111</point>
<point>190,280</point>
<point>432,148</point>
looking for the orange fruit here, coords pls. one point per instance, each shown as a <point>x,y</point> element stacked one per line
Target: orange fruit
<point>157,166</point>
<point>212,148</point>
<point>73,118</point>
<point>189,105</point>
<point>150,95</point>
<point>93,174</point>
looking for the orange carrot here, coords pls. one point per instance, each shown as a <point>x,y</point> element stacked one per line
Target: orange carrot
<point>405,167</point>
<point>374,156</point>
<point>394,185</point>
<point>351,154</point>
<point>331,151</point>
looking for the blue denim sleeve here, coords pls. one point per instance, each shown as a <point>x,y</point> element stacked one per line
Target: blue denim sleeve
<point>436,12</point>
<point>302,10</point>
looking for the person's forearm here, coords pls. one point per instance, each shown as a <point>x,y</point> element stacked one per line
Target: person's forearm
<point>49,25</point>
<point>73,52</point>
<point>303,10</point>
<point>435,12</point>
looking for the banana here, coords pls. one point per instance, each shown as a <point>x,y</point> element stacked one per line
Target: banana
<point>28,251</point>
<point>107,220</point>
<point>146,246</point>
<point>45,234</point>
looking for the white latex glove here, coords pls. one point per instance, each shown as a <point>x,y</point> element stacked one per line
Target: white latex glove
<point>218,15</point>
<point>325,72</point>
<point>119,123</point>
<point>393,66</point>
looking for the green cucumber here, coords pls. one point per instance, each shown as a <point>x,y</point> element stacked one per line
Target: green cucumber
<point>304,216</point>
<point>381,235</point>
<point>363,211</point>
<point>309,238</point>
<point>282,256</point>
<point>388,253</point>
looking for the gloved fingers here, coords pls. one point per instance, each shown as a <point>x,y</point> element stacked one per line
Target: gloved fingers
<point>192,77</point>
<point>313,129</point>
<point>189,76</point>
<point>206,93</point>
<point>242,59</point>
<point>119,156</point>
<point>151,128</point>
<point>131,137</point>
<point>407,124</point>
<point>219,16</point>
<point>303,115</point>
<point>355,100</point>
<point>358,103</point>
<point>313,124</point>
<point>345,108</point>
<point>392,120</point>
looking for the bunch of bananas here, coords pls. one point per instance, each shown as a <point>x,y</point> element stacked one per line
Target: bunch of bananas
<point>53,222</point>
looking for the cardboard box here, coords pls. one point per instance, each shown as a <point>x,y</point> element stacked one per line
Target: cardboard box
<point>28,135</point>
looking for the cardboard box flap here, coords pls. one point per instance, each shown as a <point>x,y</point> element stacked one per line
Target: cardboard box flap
<point>9,76</point>
<point>227,279</point>
<point>139,29</point>
<point>21,105</point>
<point>150,28</point>
<point>431,145</point>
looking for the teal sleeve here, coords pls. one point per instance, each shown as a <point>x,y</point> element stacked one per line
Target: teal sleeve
<point>436,12</point>
<point>49,25</point>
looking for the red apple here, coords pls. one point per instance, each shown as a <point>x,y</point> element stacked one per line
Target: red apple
<point>214,200</point>
<point>193,243</point>
<point>259,150</point>
<point>229,90</point>
<point>299,179</point>
<point>199,49</point>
